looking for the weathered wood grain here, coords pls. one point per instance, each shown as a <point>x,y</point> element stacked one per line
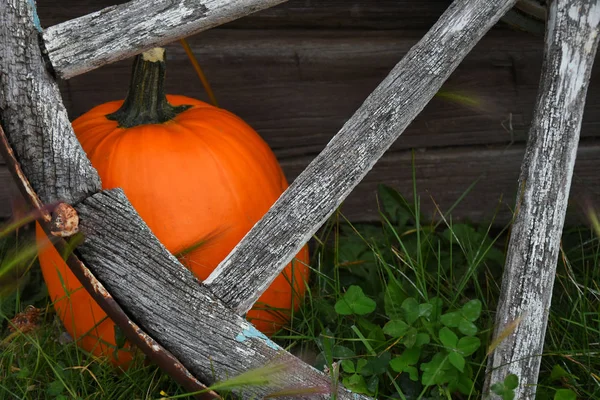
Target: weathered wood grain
<point>571,44</point>
<point>118,32</point>
<point>297,88</point>
<point>380,14</point>
<point>33,116</point>
<point>326,182</point>
<point>49,160</point>
<point>317,14</point>
<point>307,14</point>
<point>169,303</point>
<point>443,175</point>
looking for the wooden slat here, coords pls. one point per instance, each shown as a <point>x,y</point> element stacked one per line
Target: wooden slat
<point>118,32</point>
<point>523,308</point>
<point>47,162</point>
<point>147,281</point>
<point>298,88</point>
<point>311,14</point>
<point>365,14</point>
<point>34,117</point>
<point>169,303</point>
<point>443,175</point>
<point>329,14</point>
<point>315,194</point>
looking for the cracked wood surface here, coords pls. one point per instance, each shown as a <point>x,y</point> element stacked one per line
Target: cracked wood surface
<point>169,303</point>
<point>133,267</point>
<point>571,44</point>
<point>48,164</point>
<point>442,177</point>
<point>122,31</point>
<point>295,14</point>
<point>33,115</point>
<point>297,87</point>
<point>315,194</point>
<point>111,206</point>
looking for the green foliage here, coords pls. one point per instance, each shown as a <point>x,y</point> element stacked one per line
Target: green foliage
<point>571,361</point>
<point>43,363</point>
<point>407,306</point>
<point>354,301</point>
<point>506,389</point>
<point>403,309</point>
<point>20,278</point>
<point>436,349</point>
<point>565,394</point>
<point>435,288</point>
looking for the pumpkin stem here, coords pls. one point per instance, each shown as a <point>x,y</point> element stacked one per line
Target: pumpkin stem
<point>146,101</point>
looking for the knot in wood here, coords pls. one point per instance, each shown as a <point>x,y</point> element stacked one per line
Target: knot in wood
<point>65,221</point>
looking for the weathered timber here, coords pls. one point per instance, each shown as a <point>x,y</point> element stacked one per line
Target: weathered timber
<point>308,14</point>
<point>328,14</point>
<point>314,195</point>
<point>442,176</point>
<point>571,44</point>
<point>122,31</point>
<point>250,341</point>
<point>297,88</point>
<point>133,333</point>
<point>33,115</point>
<point>169,303</point>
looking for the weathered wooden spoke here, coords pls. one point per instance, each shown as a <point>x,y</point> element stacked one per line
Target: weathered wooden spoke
<point>49,165</point>
<point>213,342</point>
<point>196,331</point>
<point>571,43</point>
<point>314,195</point>
<point>122,31</point>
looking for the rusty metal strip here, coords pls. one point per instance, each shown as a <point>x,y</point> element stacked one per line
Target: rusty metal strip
<point>162,357</point>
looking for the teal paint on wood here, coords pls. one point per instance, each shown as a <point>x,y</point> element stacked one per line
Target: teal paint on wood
<point>36,18</point>
<point>251,332</point>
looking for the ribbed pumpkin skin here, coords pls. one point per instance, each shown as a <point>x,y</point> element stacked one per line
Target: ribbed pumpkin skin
<point>82,317</point>
<point>204,176</point>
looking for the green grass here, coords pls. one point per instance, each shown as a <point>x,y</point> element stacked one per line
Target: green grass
<point>400,309</point>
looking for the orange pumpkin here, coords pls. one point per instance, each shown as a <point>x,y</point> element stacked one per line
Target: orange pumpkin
<point>198,175</point>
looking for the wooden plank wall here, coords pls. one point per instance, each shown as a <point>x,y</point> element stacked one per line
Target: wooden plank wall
<point>298,71</point>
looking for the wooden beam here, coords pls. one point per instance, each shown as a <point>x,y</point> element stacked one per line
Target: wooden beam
<point>571,44</point>
<point>315,194</point>
<point>122,31</point>
<point>48,164</point>
<point>442,177</point>
<point>193,335</point>
<point>33,115</point>
<point>295,14</point>
<point>185,317</point>
<point>326,14</point>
